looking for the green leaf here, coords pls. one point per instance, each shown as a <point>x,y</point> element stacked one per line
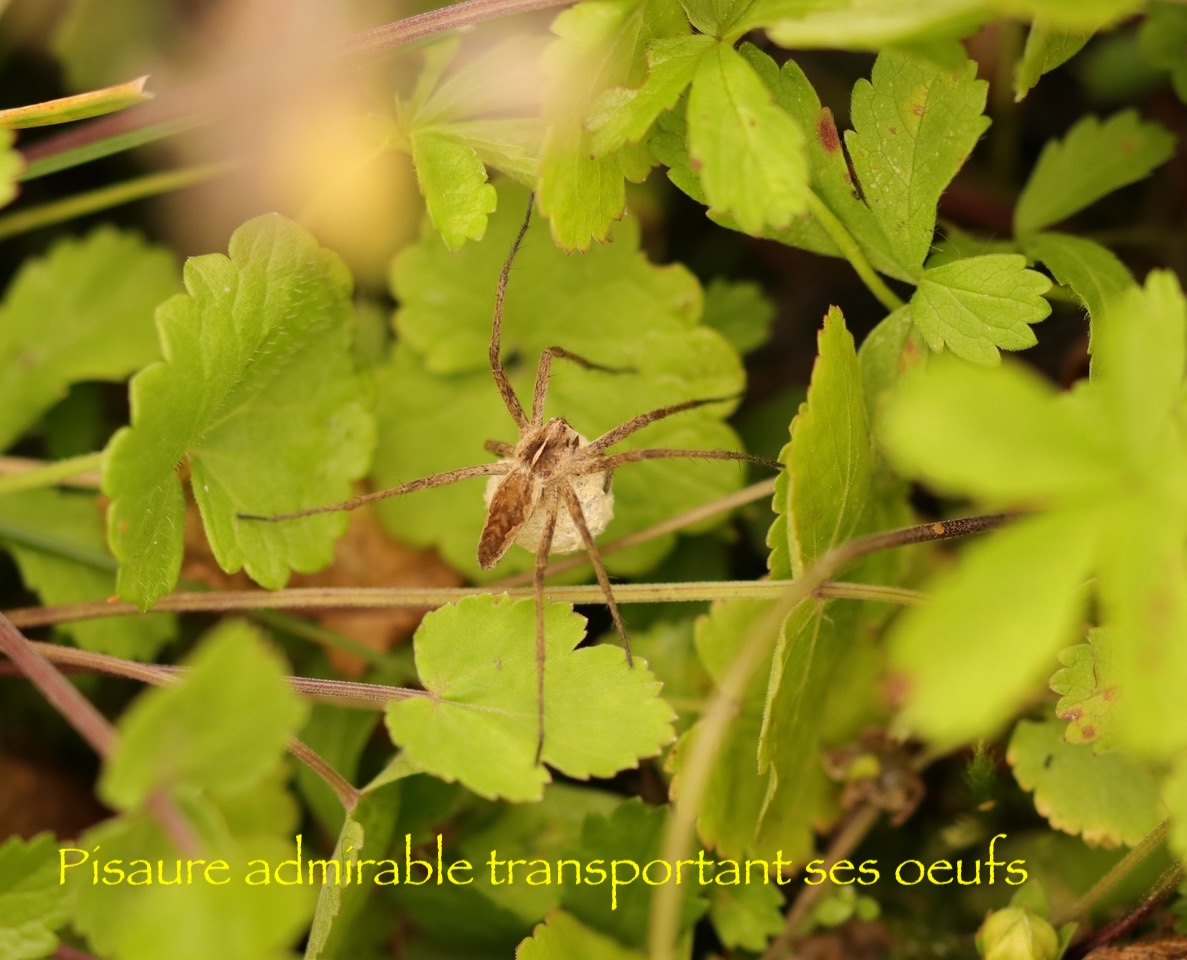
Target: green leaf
<point>1088,688</point>
<point>1174,795</point>
<point>549,831</point>
<point>241,347</point>
<point>563,937</point>
<point>1093,160</point>
<point>830,463</point>
<point>457,123</point>
<point>232,920</point>
<point>58,541</point>
<point>80,106</point>
<point>1108,799</point>
<point>914,125</point>
<point>192,736</point>
<point>990,630</point>
<point>979,306</point>
<point>1139,355</point>
<point>823,498</point>
<point>1143,595</point>
<point>438,403</point>
<point>729,815</point>
<point>1045,50</point>
<point>82,312</point>
<point>831,179</point>
<point>747,917</point>
<point>1092,272</point>
<point>33,903</point>
<point>740,312</point>
<point>621,116</point>
<point>453,181</point>
<point>1000,434</point>
<point>599,45</point>
<point>748,152</point>
<point>1070,14</point>
<point>865,24</point>
<point>631,833</point>
<point>11,166</point>
<point>1163,40</point>
<point>347,850</point>
<point>477,660</point>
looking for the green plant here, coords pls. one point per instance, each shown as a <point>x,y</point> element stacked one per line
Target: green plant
<point>275,386</point>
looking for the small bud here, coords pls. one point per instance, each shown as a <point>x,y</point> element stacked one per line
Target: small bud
<point>1016,933</point>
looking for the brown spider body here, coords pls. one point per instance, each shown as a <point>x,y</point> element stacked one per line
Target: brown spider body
<point>517,501</point>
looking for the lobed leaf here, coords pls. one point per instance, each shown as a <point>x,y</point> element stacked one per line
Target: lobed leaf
<point>1088,690</point>
<point>241,349</point>
<point>1108,799</point>
<point>81,312</point>
<point>1045,50</point>
<point>988,635</point>
<point>622,115</point>
<point>747,151</point>
<point>478,726</point>
<point>1091,161</point>
<point>1092,272</point>
<point>747,917</point>
<point>914,125</point>
<point>1143,590</point>
<point>563,937</point>
<point>452,178</point>
<point>599,46</point>
<point>192,736</point>
<point>999,434</point>
<point>33,903</point>
<point>1139,356</point>
<point>979,306</point>
<point>457,123</point>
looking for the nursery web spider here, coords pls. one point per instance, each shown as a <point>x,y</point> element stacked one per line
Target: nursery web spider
<point>551,466</point>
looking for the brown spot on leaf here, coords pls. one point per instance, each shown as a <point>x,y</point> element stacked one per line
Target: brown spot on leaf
<point>826,129</point>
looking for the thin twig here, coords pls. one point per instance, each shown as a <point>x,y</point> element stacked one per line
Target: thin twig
<point>90,724</point>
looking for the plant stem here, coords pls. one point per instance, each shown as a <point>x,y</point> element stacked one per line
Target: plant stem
<point>1081,909</point>
<point>81,204</point>
<point>347,795</point>
<point>160,675</point>
<point>432,22</point>
<point>1165,885</point>
<point>851,251</point>
<point>723,705</point>
<point>32,474</point>
<point>90,724</point>
<point>380,598</point>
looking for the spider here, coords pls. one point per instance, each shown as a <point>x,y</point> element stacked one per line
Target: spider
<point>550,491</point>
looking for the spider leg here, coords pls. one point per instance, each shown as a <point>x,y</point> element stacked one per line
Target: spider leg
<point>544,375</point>
<point>550,505</point>
<point>573,503</point>
<point>600,464</point>
<point>436,480</point>
<point>635,424</point>
<point>510,400</point>
<point>499,448</point>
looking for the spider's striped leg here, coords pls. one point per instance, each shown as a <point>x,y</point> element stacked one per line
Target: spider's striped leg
<point>550,505</point>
